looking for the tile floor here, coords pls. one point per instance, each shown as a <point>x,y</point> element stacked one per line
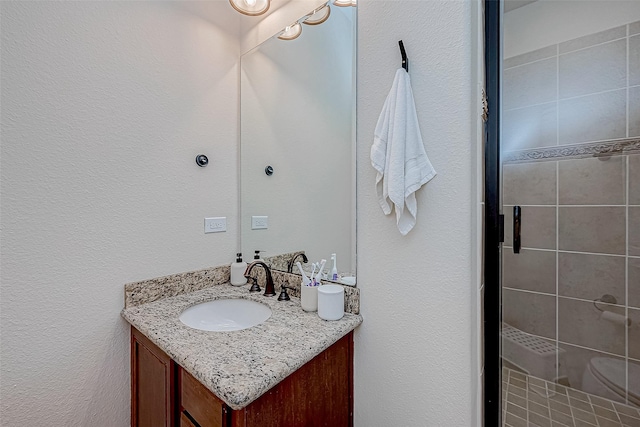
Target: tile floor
<point>529,401</point>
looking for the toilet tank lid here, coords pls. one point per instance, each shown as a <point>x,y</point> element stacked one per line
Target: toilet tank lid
<point>613,372</point>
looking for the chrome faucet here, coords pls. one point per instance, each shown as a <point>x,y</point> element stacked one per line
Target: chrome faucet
<point>292,261</point>
<point>269,289</point>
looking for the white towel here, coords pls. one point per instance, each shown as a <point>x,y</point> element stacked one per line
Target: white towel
<point>398,154</point>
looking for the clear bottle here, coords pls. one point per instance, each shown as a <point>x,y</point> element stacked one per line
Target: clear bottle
<point>237,271</point>
<point>334,269</point>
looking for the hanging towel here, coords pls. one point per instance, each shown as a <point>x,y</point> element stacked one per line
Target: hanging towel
<point>398,154</point>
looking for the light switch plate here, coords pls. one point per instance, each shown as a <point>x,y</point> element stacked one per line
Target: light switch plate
<point>259,222</point>
<point>215,225</point>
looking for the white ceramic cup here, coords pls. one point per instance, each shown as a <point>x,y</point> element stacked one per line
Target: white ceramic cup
<point>309,297</point>
<point>331,302</point>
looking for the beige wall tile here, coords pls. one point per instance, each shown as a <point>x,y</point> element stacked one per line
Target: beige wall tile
<point>634,111</point>
<point>634,28</point>
<point>529,183</point>
<point>634,60</point>
<point>592,39</point>
<point>634,282</point>
<point>634,179</point>
<point>627,410</point>
<point>514,421</point>
<point>595,69</point>
<point>634,231</point>
<point>592,181</point>
<point>530,312</point>
<point>634,334</point>
<point>538,420</point>
<point>530,127</point>
<point>593,118</point>
<point>591,276</point>
<point>534,55</point>
<point>592,229</point>
<point>530,270</point>
<point>561,418</point>
<point>538,227</point>
<point>529,84</point>
<point>580,323</point>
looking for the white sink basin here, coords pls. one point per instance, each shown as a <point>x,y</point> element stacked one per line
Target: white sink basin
<point>225,315</point>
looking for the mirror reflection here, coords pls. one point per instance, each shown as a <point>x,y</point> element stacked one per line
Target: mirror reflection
<point>297,127</point>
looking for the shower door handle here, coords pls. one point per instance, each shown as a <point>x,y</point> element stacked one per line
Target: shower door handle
<point>517,223</point>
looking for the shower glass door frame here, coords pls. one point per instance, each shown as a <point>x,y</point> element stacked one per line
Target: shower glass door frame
<point>493,220</point>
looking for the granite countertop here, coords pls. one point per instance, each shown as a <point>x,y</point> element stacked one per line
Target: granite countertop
<point>239,366</point>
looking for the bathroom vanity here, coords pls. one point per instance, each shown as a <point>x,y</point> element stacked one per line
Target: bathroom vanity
<point>163,393</point>
<point>294,369</point>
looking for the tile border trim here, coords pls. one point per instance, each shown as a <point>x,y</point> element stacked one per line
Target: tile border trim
<point>575,151</point>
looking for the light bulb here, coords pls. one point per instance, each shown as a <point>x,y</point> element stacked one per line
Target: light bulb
<point>251,7</point>
<point>291,32</point>
<point>318,16</point>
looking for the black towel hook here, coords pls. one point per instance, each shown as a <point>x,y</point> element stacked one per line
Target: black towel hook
<point>405,60</point>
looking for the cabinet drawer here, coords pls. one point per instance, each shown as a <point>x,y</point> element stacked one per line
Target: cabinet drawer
<point>185,421</point>
<point>206,409</point>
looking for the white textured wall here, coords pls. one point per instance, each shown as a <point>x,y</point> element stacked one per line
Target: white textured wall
<point>104,108</point>
<point>416,360</point>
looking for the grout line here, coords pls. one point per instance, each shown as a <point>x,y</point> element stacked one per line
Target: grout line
<point>537,104</point>
<point>529,292</point>
<point>587,300</point>
<point>557,268</point>
<point>590,46</point>
<point>565,251</point>
<point>558,54</point>
<point>571,206</point>
<point>546,58</point>
<point>570,98</point>
<point>592,206</point>
<point>626,270</point>
<point>627,58</point>
<point>591,349</point>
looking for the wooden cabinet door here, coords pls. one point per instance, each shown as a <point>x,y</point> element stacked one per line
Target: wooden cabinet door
<point>201,405</point>
<point>319,394</point>
<point>152,384</point>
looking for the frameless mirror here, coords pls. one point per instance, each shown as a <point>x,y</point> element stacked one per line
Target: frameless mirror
<point>297,179</point>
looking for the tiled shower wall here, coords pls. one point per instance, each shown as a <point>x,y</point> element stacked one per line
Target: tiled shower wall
<point>580,209</point>
<point>587,89</point>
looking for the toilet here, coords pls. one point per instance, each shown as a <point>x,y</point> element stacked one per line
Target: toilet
<point>606,377</point>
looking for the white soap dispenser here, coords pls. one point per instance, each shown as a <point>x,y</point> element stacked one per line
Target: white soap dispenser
<point>334,269</point>
<point>237,271</point>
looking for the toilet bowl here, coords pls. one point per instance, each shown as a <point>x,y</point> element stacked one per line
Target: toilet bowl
<point>606,377</point>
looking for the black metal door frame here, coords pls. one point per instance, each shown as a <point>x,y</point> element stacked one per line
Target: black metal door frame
<point>492,219</point>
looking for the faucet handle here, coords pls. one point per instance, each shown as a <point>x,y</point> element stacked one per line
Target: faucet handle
<point>254,284</point>
<point>284,296</point>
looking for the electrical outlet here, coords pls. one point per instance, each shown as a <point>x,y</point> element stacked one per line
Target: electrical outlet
<point>259,222</point>
<point>215,225</point>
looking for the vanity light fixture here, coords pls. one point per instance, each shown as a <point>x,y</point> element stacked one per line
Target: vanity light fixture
<point>345,3</point>
<point>293,31</point>
<point>251,7</point>
<point>318,16</point>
